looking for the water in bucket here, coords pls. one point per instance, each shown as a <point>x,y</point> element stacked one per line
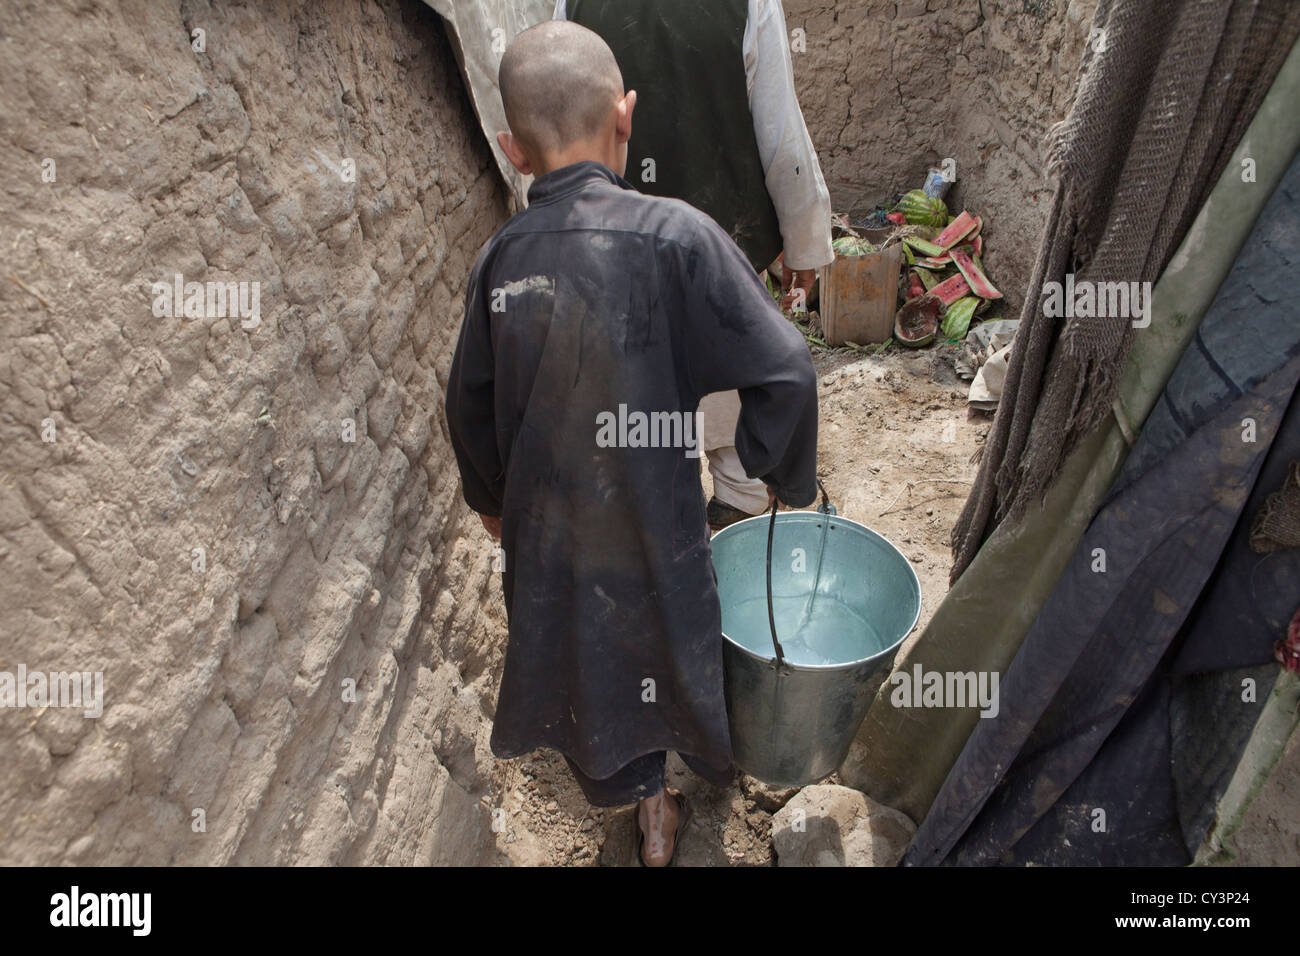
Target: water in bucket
<point>821,633</point>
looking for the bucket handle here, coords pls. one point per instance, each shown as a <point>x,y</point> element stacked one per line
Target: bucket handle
<point>825,508</point>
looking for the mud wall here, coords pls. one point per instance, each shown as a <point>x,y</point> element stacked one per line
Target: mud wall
<point>248,525</point>
<point>891,88</point>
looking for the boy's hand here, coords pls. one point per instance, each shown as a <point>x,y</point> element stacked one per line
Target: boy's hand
<point>493,526</point>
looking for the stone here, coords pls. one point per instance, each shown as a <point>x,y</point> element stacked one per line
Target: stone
<point>829,825</point>
<point>768,799</point>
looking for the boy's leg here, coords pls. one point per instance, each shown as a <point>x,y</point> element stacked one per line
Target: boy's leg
<point>642,778</point>
<point>723,777</point>
<point>731,486</point>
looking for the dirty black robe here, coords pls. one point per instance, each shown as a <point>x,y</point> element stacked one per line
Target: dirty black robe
<point>593,297</point>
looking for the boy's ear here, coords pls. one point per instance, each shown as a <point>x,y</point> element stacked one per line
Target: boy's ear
<point>623,126</point>
<point>515,153</point>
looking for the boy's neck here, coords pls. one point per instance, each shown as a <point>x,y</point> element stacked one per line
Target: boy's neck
<point>576,153</point>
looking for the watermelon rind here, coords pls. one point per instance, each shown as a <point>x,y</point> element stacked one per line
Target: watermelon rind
<point>956,321</point>
<point>923,246</point>
<point>917,323</point>
<point>852,246</point>
<point>951,289</point>
<point>975,277</point>
<point>956,231</point>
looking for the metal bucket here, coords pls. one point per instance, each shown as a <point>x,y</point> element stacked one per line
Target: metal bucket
<point>842,599</point>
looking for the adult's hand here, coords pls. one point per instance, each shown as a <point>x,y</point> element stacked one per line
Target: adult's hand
<point>493,526</point>
<point>794,282</point>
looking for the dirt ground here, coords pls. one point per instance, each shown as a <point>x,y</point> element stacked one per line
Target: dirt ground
<point>894,453</point>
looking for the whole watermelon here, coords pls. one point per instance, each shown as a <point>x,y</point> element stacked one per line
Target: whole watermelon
<point>922,210</point>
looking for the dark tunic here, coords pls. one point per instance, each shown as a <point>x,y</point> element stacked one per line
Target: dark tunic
<point>597,296</point>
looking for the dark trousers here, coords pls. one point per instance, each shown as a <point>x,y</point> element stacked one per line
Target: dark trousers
<point>643,777</point>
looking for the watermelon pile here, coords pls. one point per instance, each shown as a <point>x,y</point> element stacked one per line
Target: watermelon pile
<point>946,285</point>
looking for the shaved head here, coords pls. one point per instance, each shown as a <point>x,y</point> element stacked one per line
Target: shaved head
<point>559,85</point>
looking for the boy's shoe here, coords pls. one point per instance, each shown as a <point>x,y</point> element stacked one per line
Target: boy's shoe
<point>683,818</point>
<point>721,514</point>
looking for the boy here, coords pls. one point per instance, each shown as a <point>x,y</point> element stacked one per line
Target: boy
<point>598,305</point>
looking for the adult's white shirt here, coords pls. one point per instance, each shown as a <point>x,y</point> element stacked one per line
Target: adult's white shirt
<point>790,168</point>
